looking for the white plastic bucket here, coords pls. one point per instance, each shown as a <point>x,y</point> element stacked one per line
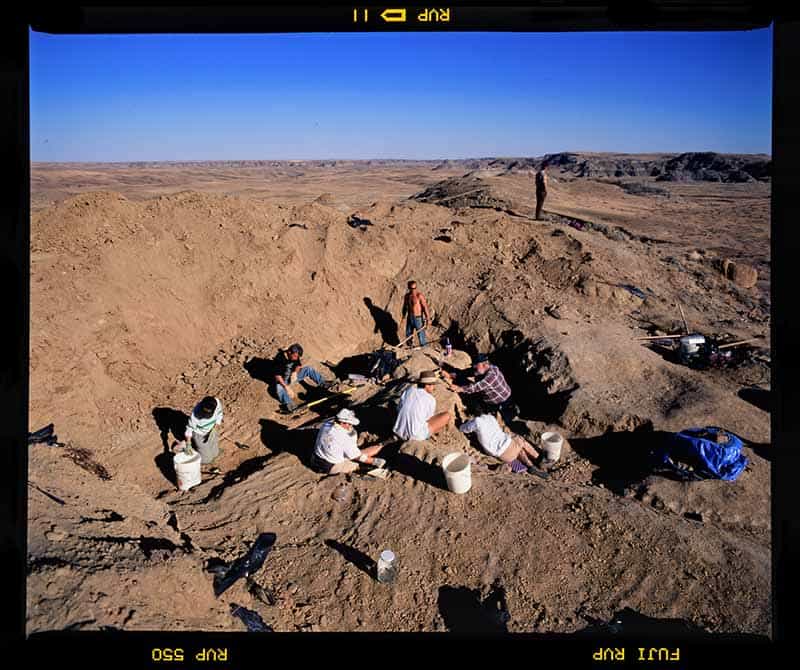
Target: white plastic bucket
<point>457,472</point>
<point>551,444</point>
<point>187,469</point>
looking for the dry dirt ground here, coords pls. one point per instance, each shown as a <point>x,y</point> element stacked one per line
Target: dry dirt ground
<point>152,286</point>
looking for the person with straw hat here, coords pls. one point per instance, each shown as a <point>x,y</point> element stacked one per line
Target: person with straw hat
<point>416,416</point>
<point>336,450</point>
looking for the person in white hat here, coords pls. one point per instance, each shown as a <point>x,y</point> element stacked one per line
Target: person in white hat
<point>416,415</point>
<point>336,450</point>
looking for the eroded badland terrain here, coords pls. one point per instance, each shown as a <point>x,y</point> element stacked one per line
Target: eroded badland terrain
<point>155,285</point>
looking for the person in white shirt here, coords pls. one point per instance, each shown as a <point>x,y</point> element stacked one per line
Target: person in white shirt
<point>495,441</point>
<point>203,426</point>
<point>336,450</point>
<point>416,416</point>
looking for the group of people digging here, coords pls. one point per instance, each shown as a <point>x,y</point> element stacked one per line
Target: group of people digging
<point>336,448</point>
<point>336,451</point>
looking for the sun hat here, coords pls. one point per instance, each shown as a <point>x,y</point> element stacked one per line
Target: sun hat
<point>347,416</point>
<point>429,377</point>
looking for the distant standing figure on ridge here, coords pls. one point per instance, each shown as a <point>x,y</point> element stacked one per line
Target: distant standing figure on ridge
<point>415,306</point>
<point>541,190</point>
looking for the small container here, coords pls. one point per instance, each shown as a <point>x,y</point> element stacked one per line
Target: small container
<point>387,567</point>
<point>551,445</point>
<point>448,347</point>
<point>341,493</point>
<point>187,468</point>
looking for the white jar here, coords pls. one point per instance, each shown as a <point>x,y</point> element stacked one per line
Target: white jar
<point>387,567</point>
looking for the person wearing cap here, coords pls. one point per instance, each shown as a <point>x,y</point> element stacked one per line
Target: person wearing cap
<point>495,441</point>
<point>336,450</point>
<point>491,387</point>
<point>416,416</point>
<point>202,428</point>
<point>288,368</point>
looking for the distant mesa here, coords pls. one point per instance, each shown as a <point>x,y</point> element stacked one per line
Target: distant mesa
<point>693,166</point>
<point>710,166</point>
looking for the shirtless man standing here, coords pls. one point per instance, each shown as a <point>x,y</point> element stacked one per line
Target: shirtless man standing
<point>415,306</point>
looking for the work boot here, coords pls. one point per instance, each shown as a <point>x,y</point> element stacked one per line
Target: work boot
<point>288,408</point>
<point>533,470</point>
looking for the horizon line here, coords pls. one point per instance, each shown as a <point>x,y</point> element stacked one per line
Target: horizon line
<point>406,160</point>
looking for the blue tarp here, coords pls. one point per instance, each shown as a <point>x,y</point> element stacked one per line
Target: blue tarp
<point>698,448</point>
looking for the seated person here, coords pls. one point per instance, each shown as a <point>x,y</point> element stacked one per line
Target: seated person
<point>288,368</point>
<point>336,450</point>
<point>496,442</point>
<point>202,428</point>
<point>416,418</point>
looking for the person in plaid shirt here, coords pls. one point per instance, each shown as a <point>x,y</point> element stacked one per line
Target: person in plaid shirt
<point>492,387</point>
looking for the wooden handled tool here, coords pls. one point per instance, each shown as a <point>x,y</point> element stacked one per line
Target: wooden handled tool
<point>736,344</point>
<point>684,318</point>
<point>658,337</point>
<point>402,342</point>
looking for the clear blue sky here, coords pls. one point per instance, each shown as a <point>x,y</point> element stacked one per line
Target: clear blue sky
<point>412,95</point>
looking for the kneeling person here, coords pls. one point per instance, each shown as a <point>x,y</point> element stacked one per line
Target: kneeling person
<point>336,450</point>
<point>416,417</point>
<point>495,441</point>
<point>203,426</point>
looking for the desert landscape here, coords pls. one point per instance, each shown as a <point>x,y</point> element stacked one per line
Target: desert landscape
<point>155,284</point>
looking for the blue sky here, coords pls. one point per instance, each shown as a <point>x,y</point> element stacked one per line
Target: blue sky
<point>397,95</point>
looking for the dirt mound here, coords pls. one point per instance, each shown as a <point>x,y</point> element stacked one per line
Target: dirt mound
<point>741,274</point>
<point>193,294</point>
<point>466,191</point>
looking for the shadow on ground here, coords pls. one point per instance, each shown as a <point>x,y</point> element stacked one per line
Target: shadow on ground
<point>237,476</point>
<point>630,624</point>
<point>357,365</point>
<point>170,422</point>
<point>764,450</point>
<point>384,322</point>
<point>528,390</point>
<point>417,469</point>
<point>457,338</point>
<point>758,397</point>
<point>278,438</point>
<point>354,556</point>
<point>463,610</point>
<point>260,369</point>
<point>623,459</point>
